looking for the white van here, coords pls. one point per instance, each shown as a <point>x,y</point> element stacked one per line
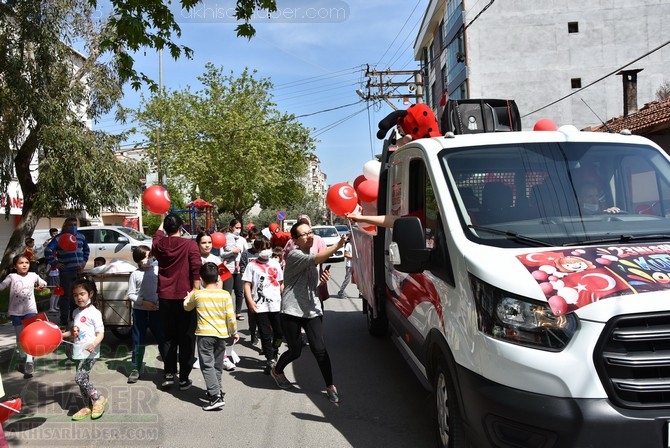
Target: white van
<point>535,316</point>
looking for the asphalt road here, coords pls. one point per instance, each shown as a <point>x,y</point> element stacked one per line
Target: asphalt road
<point>382,403</point>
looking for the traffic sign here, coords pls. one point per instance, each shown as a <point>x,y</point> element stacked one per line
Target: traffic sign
<point>281,215</point>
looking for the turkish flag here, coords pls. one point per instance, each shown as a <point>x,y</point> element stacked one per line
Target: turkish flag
<point>594,284</point>
<point>443,99</point>
<point>224,273</point>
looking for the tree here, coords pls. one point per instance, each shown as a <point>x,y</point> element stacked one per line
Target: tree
<point>140,24</point>
<point>663,90</point>
<point>229,141</point>
<point>47,93</point>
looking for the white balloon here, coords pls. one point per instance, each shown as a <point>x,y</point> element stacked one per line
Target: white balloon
<point>371,169</point>
<point>568,129</point>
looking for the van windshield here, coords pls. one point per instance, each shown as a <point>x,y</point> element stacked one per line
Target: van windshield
<point>561,193</point>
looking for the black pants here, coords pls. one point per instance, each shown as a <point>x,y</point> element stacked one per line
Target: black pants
<point>179,327</point>
<point>269,332</point>
<point>314,330</point>
<point>238,287</point>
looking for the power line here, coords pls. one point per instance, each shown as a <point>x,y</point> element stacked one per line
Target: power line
<point>271,122</point>
<point>399,31</point>
<point>300,82</point>
<point>599,79</point>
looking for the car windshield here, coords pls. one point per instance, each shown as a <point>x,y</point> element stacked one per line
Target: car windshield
<point>560,193</point>
<point>342,228</point>
<point>325,232</point>
<point>139,236</point>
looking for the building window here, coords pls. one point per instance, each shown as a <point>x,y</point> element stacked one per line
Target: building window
<point>573,27</point>
<point>576,83</point>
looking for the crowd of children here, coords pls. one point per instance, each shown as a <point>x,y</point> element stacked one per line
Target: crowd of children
<point>259,269</point>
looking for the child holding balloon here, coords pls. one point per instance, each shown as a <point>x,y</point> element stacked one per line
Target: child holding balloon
<point>22,304</point>
<point>88,331</point>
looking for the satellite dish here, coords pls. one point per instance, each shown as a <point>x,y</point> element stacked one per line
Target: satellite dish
<point>411,87</point>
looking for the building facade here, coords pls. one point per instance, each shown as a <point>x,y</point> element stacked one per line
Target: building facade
<point>555,59</point>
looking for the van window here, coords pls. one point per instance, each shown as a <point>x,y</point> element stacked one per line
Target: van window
<point>423,203</point>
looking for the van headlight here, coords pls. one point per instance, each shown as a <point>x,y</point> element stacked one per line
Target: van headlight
<point>520,320</point>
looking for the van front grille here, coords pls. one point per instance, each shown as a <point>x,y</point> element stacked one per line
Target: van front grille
<point>632,359</point>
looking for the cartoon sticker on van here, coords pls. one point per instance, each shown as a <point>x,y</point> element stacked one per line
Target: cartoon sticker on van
<point>578,277</point>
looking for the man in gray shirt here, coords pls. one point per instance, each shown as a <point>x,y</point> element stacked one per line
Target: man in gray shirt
<point>301,307</point>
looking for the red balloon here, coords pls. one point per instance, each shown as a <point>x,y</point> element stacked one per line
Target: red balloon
<point>368,190</point>
<point>9,407</point>
<point>358,181</point>
<point>218,240</point>
<point>341,199</point>
<point>68,242</point>
<point>545,124</point>
<point>156,199</point>
<point>40,338</point>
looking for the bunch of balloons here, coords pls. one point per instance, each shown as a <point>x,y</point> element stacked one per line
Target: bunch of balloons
<point>343,198</point>
<point>156,199</point>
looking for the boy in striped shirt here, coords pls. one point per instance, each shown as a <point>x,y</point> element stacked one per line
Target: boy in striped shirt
<point>216,322</point>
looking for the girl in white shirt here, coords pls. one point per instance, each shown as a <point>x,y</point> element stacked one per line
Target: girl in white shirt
<point>88,331</point>
<point>22,304</point>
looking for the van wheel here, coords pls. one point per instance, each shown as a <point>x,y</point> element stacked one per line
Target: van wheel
<point>377,326</point>
<point>450,431</point>
<point>122,332</point>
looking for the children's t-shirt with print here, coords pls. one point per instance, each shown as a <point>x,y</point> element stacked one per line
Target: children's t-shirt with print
<point>265,278</point>
<point>89,322</point>
<point>22,292</point>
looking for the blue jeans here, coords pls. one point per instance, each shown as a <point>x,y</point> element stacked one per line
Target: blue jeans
<point>144,320</point>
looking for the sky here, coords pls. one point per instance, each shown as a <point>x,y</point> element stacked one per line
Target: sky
<point>315,66</point>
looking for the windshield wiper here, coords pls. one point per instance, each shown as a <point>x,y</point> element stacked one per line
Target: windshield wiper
<point>621,239</point>
<point>512,236</point>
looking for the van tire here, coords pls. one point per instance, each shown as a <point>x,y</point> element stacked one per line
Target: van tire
<point>449,429</point>
<point>377,326</point>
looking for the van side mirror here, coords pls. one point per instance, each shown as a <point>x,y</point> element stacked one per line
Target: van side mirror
<point>411,244</point>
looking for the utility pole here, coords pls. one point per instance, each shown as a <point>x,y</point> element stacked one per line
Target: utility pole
<point>382,86</point>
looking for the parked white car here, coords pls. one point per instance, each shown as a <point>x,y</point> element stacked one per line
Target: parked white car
<point>330,236</point>
<point>113,242</point>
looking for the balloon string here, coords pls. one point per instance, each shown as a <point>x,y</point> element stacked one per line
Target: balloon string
<point>9,407</point>
<point>353,240</point>
<point>67,342</point>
